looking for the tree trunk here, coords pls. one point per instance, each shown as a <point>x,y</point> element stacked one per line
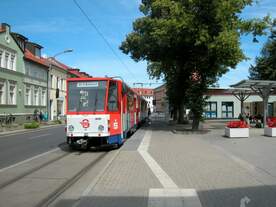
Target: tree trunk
<point>195,124</point>
<point>180,115</point>
<point>175,113</point>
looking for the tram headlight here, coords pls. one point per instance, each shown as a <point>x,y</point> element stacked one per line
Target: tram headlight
<point>100,128</point>
<point>70,128</point>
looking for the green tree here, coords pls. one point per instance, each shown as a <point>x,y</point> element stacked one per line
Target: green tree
<point>265,68</point>
<point>190,37</point>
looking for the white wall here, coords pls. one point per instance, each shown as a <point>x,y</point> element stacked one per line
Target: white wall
<point>237,106</point>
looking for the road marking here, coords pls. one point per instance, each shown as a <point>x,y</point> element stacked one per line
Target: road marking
<point>38,136</point>
<point>161,175</point>
<point>159,197</point>
<point>170,195</point>
<point>28,160</point>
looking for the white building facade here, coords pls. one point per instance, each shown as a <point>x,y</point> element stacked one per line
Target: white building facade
<point>222,104</point>
<point>57,90</point>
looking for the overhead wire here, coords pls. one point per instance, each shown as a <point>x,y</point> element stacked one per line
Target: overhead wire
<point>103,37</point>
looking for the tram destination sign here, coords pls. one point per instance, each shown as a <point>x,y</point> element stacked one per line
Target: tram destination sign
<point>87,84</point>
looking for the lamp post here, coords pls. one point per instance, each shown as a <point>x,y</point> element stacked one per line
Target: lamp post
<point>48,85</point>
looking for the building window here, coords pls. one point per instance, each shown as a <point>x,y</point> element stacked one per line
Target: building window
<point>12,62</point>
<point>61,84</point>
<point>57,83</point>
<point>2,92</point>
<point>12,93</point>
<point>28,95</point>
<point>211,110</point>
<point>36,97</point>
<point>52,81</point>
<point>43,97</point>
<point>6,60</point>
<point>227,110</point>
<point>37,52</point>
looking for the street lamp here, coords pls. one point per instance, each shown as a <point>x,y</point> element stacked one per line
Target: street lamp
<point>50,68</point>
<point>60,53</point>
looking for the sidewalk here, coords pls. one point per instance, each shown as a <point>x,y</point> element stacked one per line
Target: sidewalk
<point>22,130</point>
<point>191,163</point>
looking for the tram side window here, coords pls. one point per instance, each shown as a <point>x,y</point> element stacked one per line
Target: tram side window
<point>113,96</point>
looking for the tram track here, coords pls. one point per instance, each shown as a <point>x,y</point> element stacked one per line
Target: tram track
<point>37,174</point>
<point>29,172</point>
<point>54,195</point>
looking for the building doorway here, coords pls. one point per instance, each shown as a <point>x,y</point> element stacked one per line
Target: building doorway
<point>227,110</point>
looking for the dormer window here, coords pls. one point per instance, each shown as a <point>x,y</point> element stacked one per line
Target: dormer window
<point>37,52</point>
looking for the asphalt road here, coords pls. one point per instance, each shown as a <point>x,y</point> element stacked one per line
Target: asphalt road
<point>24,145</point>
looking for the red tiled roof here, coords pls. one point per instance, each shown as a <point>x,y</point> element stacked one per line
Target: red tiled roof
<point>78,73</point>
<point>58,64</point>
<point>75,72</point>
<point>46,62</point>
<point>28,55</point>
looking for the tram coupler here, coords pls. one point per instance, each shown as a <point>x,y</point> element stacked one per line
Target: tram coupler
<point>83,143</point>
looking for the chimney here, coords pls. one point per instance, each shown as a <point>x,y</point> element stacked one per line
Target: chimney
<point>5,27</point>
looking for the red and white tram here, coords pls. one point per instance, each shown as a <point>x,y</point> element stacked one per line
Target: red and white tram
<point>101,111</point>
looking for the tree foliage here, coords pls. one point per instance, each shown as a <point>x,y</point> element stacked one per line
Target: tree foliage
<point>265,68</point>
<point>180,38</point>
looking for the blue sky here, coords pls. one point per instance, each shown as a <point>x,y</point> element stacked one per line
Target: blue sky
<point>59,24</point>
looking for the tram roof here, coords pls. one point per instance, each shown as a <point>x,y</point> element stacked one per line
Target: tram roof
<point>91,78</point>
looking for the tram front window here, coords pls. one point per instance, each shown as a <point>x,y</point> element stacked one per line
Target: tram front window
<point>86,96</point>
<point>113,96</point>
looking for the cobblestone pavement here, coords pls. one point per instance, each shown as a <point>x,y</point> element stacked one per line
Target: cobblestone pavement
<point>220,178</point>
<point>127,180</point>
<point>223,176</point>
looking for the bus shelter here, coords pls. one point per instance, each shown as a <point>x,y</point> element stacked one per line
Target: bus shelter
<point>264,88</point>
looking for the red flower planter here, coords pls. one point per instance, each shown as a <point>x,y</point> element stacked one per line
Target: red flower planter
<point>237,124</point>
<point>237,129</point>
